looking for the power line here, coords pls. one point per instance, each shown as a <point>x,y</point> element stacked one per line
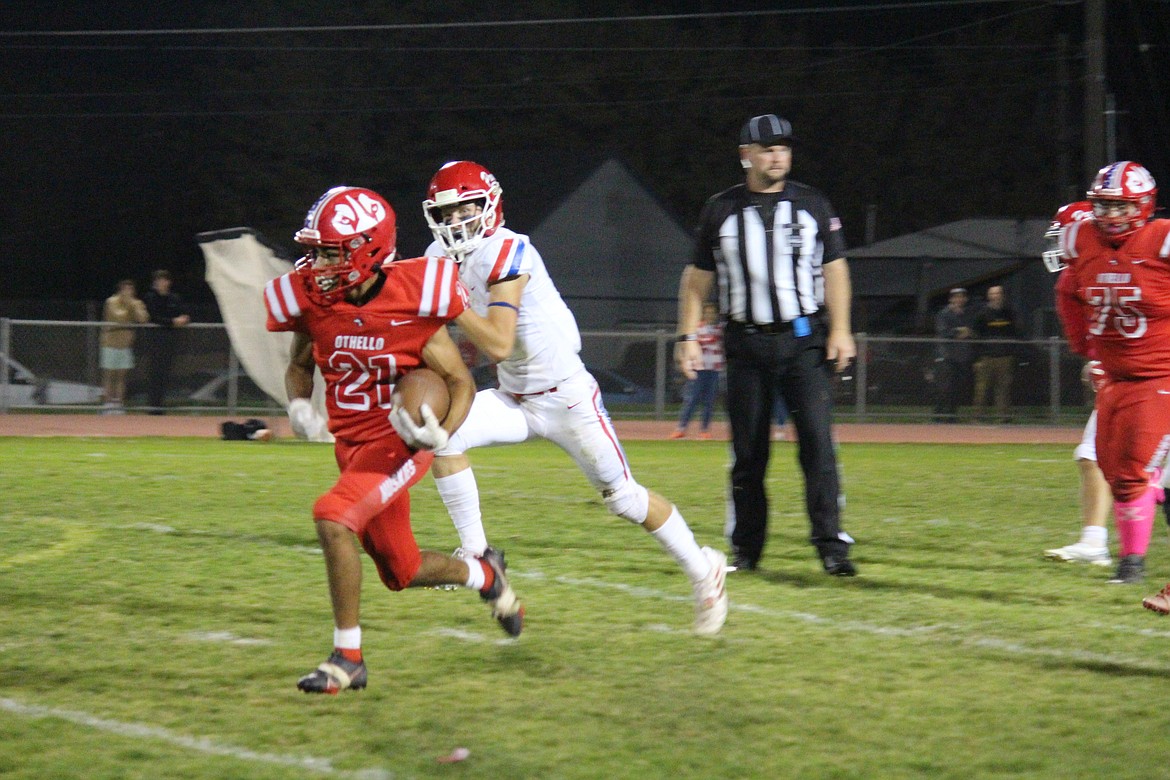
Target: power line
<point>395,49</point>
<point>726,77</point>
<point>1025,86</point>
<point>865,7</point>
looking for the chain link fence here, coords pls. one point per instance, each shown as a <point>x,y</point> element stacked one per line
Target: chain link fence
<point>53,364</point>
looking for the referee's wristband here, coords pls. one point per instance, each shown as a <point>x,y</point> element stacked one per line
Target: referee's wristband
<point>686,337</point>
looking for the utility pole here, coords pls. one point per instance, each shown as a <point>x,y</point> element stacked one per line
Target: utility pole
<point>1066,188</point>
<point>1094,88</point>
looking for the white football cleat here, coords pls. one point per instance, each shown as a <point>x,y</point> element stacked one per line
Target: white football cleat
<point>711,595</point>
<point>1080,553</point>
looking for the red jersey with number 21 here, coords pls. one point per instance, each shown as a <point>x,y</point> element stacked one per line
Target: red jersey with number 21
<point>1124,294</point>
<point>362,350</point>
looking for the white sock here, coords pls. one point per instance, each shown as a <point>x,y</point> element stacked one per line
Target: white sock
<point>475,574</point>
<point>460,495</point>
<point>1095,535</point>
<point>348,638</point>
<point>676,538</point>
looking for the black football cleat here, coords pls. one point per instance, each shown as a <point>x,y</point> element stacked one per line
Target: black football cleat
<point>506,608</point>
<point>336,674</point>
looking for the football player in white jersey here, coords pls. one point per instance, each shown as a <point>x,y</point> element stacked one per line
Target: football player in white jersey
<point>1096,500</point>
<point>525,327</point>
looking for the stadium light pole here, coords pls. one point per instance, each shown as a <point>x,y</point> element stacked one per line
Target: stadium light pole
<point>1095,107</point>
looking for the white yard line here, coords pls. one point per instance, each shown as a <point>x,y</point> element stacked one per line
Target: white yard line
<point>948,633</point>
<point>321,766</point>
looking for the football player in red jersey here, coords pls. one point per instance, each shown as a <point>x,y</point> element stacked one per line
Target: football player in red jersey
<point>365,321</point>
<point>1114,304</point>
<point>1096,500</point>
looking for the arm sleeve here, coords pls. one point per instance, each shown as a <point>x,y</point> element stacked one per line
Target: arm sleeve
<point>832,234</point>
<point>1071,312</point>
<point>284,304</point>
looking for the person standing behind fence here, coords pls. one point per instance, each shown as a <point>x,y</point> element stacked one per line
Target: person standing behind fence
<point>701,391</point>
<point>168,312</point>
<point>995,325</point>
<point>953,327</point>
<point>123,309</point>
<point>776,249</point>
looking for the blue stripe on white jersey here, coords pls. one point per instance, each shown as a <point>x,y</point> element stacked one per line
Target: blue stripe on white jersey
<point>517,256</point>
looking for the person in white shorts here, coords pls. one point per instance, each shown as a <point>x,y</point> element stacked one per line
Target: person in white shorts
<point>1096,498</point>
<point>1096,506</point>
<point>544,389</point>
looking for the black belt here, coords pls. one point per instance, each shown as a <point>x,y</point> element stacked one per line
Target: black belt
<point>764,327</point>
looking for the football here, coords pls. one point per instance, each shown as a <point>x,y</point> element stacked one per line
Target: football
<point>421,386</point>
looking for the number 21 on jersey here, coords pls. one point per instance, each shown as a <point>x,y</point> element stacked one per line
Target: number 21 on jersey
<point>363,383</point>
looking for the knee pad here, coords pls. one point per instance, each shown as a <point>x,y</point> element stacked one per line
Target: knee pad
<point>631,501</point>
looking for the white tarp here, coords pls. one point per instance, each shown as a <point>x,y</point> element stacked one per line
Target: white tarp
<point>239,264</point>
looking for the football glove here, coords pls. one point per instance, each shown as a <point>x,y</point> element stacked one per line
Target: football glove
<point>304,420</point>
<point>428,436</point>
<point>1095,375</point>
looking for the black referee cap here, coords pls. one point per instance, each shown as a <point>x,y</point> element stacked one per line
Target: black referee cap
<point>766,130</point>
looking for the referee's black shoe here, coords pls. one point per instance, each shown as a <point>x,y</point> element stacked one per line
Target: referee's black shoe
<point>742,560</point>
<point>838,566</point>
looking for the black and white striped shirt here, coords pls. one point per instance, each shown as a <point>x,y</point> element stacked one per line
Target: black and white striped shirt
<point>767,250</point>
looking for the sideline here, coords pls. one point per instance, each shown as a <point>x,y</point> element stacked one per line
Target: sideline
<point>632,430</point>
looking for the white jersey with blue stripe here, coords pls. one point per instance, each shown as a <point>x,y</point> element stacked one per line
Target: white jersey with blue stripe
<point>548,343</point>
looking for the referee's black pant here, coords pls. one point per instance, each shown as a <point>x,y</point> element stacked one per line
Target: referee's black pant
<point>759,365</point>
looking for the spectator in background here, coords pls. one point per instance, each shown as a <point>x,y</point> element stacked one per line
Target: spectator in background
<point>995,325</point>
<point>952,368</point>
<point>701,391</point>
<point>121,310</point>
<point>168,312</point>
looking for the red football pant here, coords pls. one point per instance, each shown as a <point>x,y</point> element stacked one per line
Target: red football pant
<point>372,499</point>
<point>1133,434</point>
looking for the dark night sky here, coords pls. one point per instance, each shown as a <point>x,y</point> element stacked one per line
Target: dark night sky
<point>120,147</point>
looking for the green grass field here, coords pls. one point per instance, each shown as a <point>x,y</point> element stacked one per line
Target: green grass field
<point>161,597</point>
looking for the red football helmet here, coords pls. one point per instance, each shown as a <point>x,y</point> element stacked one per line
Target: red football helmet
<point>350,232</point>
<point>460,182</point>
<point>1123,196</point>
<point>1071,212</point>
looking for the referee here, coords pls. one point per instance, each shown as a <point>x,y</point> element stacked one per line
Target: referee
<point>775,249</point>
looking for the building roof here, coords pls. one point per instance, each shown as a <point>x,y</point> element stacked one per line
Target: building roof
<point>966,239</point>
<point>966,253</point>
